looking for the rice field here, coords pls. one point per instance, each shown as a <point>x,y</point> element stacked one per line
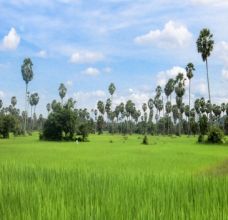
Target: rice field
<point>112,177</point>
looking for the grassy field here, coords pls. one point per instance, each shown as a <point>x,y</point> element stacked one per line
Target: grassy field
<point>112,177</point>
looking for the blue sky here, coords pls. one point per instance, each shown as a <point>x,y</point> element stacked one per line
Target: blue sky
<point>88,44</point>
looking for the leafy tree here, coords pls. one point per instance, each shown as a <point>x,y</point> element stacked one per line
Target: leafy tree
<point>203,125</point>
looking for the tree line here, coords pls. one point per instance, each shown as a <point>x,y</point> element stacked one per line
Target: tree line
<point>161,115</point>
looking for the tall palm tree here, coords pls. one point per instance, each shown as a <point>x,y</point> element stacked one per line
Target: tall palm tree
<point>150,106</point>
<point>111,89</point>
<point>101,107</point>
<point>13,101</point>
<point>205,44</point>
<point>27,74</point>
<point>180,91</point>
<point>189,70</point>
<point>48,106</point>
<point>62,91</point>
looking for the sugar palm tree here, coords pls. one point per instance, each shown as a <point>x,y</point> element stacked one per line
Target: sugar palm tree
<point>205,44</point>
<point>189,70</point>
<point>27,74</point>
<point>13,101</point>
<point>48,106</point>
<point>62,91</point>
<point>111,89</point>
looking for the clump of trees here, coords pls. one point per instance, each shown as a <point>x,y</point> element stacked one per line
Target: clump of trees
<point>65,122</point>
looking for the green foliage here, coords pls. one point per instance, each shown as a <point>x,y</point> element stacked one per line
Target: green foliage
<point>145,140</point>
<point>8,123</point>
<point>215,136</point>
<point>226,125</point>
<point>203,125</point>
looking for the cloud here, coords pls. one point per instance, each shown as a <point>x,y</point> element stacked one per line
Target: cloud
<point>222,51</point>
<point>225,74</point>
<point>173,35</point>
<point>2,94</point>
<point>107,70</point>
<point>211,2</point>
<point>91,71</point>
<point>86,57</point>
<point>164,76</point>
<point>90,98</point>
<point>42,54</point>
<point>11,40</point>
<point>69,83</point>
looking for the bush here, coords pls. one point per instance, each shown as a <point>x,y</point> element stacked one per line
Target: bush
<point>215,136</point>
<point>201,138</point>
<point>145,140</point>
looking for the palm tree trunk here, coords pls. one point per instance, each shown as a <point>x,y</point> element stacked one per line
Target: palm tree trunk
<point>208,85</point>
<point>189,107</point>
<point>26,100</point>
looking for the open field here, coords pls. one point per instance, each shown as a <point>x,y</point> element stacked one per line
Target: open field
<point>113,178</point>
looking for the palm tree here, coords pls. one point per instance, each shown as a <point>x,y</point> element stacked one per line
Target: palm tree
<point>13,101</point>
<point>169,88</point>
<point>27,74</point>
<point>36,99</point>
<point>101,107</point>
<point>150,106</point>
<point>48,106</point>
<point>111,89</point>
<point>1,103</point>
<point>205,45</point>
<point>62,91</point>
<point>180,90</point>
<point>189,70</point>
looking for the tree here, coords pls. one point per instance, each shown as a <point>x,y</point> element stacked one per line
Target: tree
<point>27,74</point>
<point>48,106</point>
<point>180,91</point>
<point>111,89</point>
<point>62,91</point>
<point>101,107</point>
<point>1,103</point>
<point>189,70</point>
<point>205,44</point>
<point>13,101</point>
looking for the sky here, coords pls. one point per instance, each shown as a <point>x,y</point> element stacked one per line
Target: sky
<point>88,44</point>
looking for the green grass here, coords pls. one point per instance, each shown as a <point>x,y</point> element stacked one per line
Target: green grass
<point>168,179</point>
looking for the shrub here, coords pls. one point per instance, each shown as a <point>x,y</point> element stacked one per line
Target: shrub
<point>215,136</point>
<point>201,138</point>
<point>145,140</point>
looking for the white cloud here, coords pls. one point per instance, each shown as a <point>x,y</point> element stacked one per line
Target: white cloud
<point>69,83</point>
<point>164,76</point>
<point>86,57</point>
<point>225,74</point>
<point>11,40</point>
<point>222,51</point>
<point>2,94</point>
<point>42,54</point>
<point>107,70</point>
<point>211,2</point>
<point>91,71</point>
<point>173,35</point>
